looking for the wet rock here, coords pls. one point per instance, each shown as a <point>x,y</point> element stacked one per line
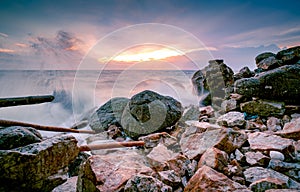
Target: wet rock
<point>274,124</point>
<point>109,172</point>
<point>243,73</point>
<point>159,156</point>
<point>268,183</point>
<point>195,145</point>
<point>108,114</point>
<point>257,158</point>
<point>207,178</point>
<point>13,137</point>
<point>199,83</point>
<point>279,84</point>
<point>35,167</point>
<point>140,183</point>
<point>68,186</point>
<point>263,56</point>
<point>232,119</point>
<point>148,112</point>
<point>268,63</point>
<point>229,105</point>
<point>214,158</point>
<point>289,56</point>
<point>267,142</point>
<point>263,108</point>
<point>275,155</point>
<point>170,177</point>
<point>254,174</point>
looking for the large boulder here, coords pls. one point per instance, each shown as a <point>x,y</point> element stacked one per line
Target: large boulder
<point>278,84</point>
<point>289,56</point>
<point>263,56</point>
<point>148,112</point>
<point>13,137</point>
<point>108,114</point>
<point>34,167</point>
<point>263,108</point>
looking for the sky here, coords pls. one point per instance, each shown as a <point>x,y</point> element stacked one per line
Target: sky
<point>117,34</point>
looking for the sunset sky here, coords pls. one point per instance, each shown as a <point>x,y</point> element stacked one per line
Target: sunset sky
<point>46,34</point>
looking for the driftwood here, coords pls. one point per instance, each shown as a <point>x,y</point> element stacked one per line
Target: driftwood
<point>111,145</point>
<point>7,102</point>
<point>7,123</point>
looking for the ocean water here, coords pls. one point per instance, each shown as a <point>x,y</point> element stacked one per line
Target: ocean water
<point>77,92</point>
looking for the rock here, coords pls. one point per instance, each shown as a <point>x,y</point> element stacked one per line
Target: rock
<point>282,166</point>
<point>182,165</point>
<point>233,169</point>
<point>282,190</point>
<point>268,63</point>
<point>254,174</point>
<point>114,132</point>
<point>159,156</point>
<point>274,124</point>
<point>148,112</point>
<point>254,125</point>
<point>108,114</point>
<point>243,73</point>
<point>263,56</point>
<point>207,179</point>
<point>275,155</point>
<point>263,108</point>
<point>170,177</point>
<point>239,156</point>
<point>289,56</point>
<point>109,172</point>
<point>229,105</point>
<point>152,140</point>
<point>141,183</point>
<point>232,119</point>
<point>257,158</point>
<point>68,186</point>
<point>190,113</point>
<point>267,183</point>
<point>207,111</point>
<point>267,142</point>
<point>199,83</point>
<point>13,137</point>
<point>193,146</point>
<point>34,167</point>
<point>214,158</point>
<point>293,125</point>
<point>279,84</point>
<point>291,130</point>
<point>73,167</point>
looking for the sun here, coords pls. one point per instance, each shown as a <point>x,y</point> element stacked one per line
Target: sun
<point>140,54</point>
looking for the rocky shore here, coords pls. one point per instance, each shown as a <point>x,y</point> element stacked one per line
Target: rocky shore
<point>245,136</point>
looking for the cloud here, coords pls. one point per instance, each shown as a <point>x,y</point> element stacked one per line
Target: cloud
<point>3,35</point>
<point>7,50</point>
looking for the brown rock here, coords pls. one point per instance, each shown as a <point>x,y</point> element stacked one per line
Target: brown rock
<point>257,158</point>
<point>264,141</point>
<point>153,139</point>
<point>68,186</point>
<point>170,177</point>
<point>109,172</point>
<point>181,165</point>
<point>227,140</point>
<point>268,183</point>
<point>207,179</point>
<point>291,130</point>
<point>214,158</point>
<point>234,168</point>
<point>274,124</point>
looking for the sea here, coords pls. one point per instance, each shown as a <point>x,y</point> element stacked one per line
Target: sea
<point>77,93</point>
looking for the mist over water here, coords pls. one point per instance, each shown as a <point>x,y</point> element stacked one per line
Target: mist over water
<point>76,94</point>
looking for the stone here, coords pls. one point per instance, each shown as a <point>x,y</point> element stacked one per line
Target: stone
<point>232,119</point>
<point>282,190</point>
<point>280,84</point>
<point>13,137</point>
<point>263,108</point>
<point>170,178</point>
<point>149,112</point>
<point>108,114</point>
<point>152,140</point>
<point>243,73</point>
<point>182,165</point>
<point>190,113</point>
<point>267,183</point>
<point>289,56</point>
<point>109,172</point>
<point>159,156</point>
<point>267,142</point>
<point>282,166</point>
<point>254,174</point>
<point>291,130</point>
<point>257,159</point>
<point>293,125</point>
<point>268,63</point>
<point>193,146</point>
<point>274,124</point>
<point>142,183</point>
<point>275,155</point>
<point>214,158</point>
<point>254,125</point>
<point>229,105</point>
<point>35,167</point>
<point>239,156</point>
<point>263,56</point>
<point>234,169</point>
<point>68,186</point>
<point>74,166</point>
<point>207,111</point>
<point>199,83</point>
<point>207,179</point>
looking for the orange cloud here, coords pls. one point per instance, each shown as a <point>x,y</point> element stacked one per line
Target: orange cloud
<point>6,50</point>
<point>22,45</point>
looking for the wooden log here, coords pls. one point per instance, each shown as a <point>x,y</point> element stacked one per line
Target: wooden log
<point>111,145</point>
<point>7,102</point>
<point>8,123</point>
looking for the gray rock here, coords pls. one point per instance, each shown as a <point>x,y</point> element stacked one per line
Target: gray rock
<point>289,56</point>
<point>13,137</point>
<point>68,186</point>
<point>275,155</point>
<point>263,56</point>
<point>148,112</point>
<point>274,124</point>
<point>243,73</point>
<point>170,177</point>
<point>268,183</point>
<point>35,167</point>
<point>229,105</point>
<point>232,119</point>
<point>268,63</point>
<point>257,158</point>
<point>108,114</point>
<point>190,113</point>
<point>278,84</point>
<point>263,108</point>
